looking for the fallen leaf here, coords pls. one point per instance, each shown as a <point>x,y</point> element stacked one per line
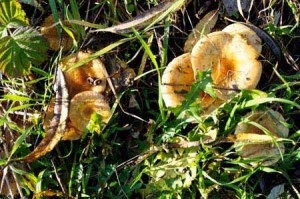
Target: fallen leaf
<point>57,124</point>
<point>152,15</point>
<point>204,26</point>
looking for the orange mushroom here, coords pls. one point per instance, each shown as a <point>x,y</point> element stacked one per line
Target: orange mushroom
<point>49,31</point>
<point>177,80</point>
<point>252,142</point>
<point>83,105</point>
<point>71,133</point>
<point>233,62</point>
<point>90,76</point>
<point>246,33</point>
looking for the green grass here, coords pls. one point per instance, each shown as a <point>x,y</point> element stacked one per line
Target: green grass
<point>140,152</point>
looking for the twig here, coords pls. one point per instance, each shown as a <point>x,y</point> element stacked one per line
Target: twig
<point>63,188</point>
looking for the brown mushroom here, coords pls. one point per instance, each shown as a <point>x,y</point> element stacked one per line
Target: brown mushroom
<point>233,62</point>
<point>83,105</point>
<point>90,76</point>
<point>49,31</point>
<point>252,142</point>
<point>177,80</point>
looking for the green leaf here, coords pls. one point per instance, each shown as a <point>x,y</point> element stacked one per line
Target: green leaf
<point>2,28</point>
<point>18,143</point>
<point>12,14</point>
<point>21,50</point>
<point>204,83</point>
<point>16,97</point>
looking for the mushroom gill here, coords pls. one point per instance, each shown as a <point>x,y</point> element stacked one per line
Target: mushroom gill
<point>83,105</point>
<point>252,142</point>
<point>90,76</point>
<point>232,60</point>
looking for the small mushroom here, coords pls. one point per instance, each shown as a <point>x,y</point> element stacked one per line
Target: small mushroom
<point>256,145</point>
<point>90,76</point>
<point>246,33</point>
<point>233,62</point>
<point>83,105</point>
<point>49,31</point>
<point>177,80</point>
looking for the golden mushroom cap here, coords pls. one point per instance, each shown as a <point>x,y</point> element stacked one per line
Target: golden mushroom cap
<point>90,76</point>
<point>177,80</point>
<point>83,105</point>
<point>49,31</point>
<point>272,121</point>
<point>233,62</point>
<point>246,33</point>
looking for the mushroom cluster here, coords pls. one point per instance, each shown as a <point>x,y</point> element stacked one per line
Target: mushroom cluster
<point>86,85</point>
<point>232,57</point>
<point>230,54</point>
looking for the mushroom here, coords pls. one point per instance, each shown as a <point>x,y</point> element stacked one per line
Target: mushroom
<point>90,76</point>
<point>257,144</point>
<point>71,133</point>
<point>233,62</point>
<point>177,80</point>
<point>83,105</point>
<point>246,33</point>
<point>49,31</point>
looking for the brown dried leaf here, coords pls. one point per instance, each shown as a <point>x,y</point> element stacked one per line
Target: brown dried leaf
<point>204,26</point>
<point>57,124</point>
<point>8,186</point>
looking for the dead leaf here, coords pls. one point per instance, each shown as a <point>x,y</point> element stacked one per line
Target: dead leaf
<point>58,122</point>
<point>8,186</point>
<point>204,26</point>
<point>141,20</point>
